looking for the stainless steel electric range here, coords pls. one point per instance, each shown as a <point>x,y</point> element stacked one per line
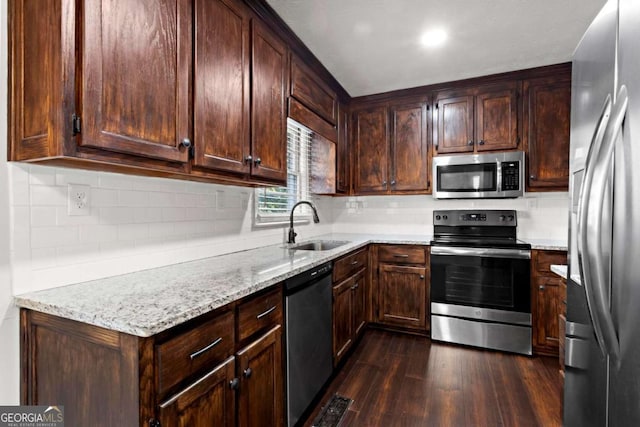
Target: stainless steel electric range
<point>480,280</point>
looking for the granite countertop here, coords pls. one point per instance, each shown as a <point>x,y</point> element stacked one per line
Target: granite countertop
<point>147,302</point>
<point>547,244</point>
<point>560,270</point>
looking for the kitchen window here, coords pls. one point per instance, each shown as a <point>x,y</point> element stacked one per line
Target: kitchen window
<point>273,204</point>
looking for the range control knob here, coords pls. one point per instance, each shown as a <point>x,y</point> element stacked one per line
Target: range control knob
<point>444,217</point>
<point>502,217</point>
<point>510,217</point>
<point>438,217</point>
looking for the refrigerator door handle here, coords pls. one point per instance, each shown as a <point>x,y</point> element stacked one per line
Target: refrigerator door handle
<point>583,202</point>
<point>597,283</point>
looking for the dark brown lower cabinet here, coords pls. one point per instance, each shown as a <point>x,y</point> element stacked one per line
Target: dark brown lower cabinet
<point>402,296</point>
<point>400,287</point>
<point>210,401</point>
<point>260,397</point>
<point>198,374</point>
<point>546,301</point>
<point>349,313</point>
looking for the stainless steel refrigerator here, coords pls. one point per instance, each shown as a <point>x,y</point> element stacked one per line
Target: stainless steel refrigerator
<point>602,347</point>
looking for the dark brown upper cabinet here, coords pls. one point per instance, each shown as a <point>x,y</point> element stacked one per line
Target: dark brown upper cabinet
<point>269,105</point>
<point>222,86</point>
<point>141,88</point>
<point>477,119</point>
<point>311,91</point>
<point>546,127</point>
<point>135,78</point>
<point>409,153</point>
<point>371,150</point>
<point>390,149</point>
<point>454,124</point>
<point>343,162</point>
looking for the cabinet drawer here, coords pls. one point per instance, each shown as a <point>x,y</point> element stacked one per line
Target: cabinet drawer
<point>544,259</point>
<point>259,313</point>
<point>349,264</point>
<point>202,347</point>
<point>402,254</point>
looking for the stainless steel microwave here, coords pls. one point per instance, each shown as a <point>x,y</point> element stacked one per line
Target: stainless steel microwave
<point>479,176</point>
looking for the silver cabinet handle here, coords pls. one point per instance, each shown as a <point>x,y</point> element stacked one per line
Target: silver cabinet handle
<point>354,287</point>
<point>257,161</point>
<point>542,287</point>
<point>422,277</point>
<point>401,255</point>
<point>248,159</point>
<point>354,263</point>
<point>261,315</point>
<point>205,349</point>
<point>470,142</point>
<point>393,182</point>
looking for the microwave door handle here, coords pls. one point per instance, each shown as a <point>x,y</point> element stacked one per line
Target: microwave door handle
<point>583,201</point>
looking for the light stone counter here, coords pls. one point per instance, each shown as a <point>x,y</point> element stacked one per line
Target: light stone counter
<point>547,244</point>
<point>150,301</point>
<point>560,270</point>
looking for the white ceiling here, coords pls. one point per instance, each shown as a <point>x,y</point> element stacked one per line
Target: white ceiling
<point>372,46</point>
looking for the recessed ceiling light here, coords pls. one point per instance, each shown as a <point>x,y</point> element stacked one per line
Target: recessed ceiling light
<point>433,38</point>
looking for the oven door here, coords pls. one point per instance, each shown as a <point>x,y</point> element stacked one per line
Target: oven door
<point>496,280</point>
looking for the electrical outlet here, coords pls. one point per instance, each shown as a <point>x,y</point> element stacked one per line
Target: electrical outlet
<point>78,200</point>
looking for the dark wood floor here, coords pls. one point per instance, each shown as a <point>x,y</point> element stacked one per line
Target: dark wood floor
<point>403,380</point>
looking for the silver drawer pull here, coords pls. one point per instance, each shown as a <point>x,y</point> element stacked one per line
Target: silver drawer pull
<point>401,256</point>
<point>205,349</point>
<point>314,273</point>
<point>261,315</point>
<point>354,263</point>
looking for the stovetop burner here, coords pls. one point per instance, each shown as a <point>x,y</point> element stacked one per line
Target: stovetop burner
<point>476,228</point>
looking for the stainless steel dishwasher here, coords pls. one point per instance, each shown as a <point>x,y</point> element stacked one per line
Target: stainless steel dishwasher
<point>308,308</point>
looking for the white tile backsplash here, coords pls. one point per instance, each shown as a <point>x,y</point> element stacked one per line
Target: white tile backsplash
<point>540,215</point>
<point>134,223</point>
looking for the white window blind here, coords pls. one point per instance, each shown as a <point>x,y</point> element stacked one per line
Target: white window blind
<point>273,204</point>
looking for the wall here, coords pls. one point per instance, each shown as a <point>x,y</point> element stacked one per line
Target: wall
<point>540,215</point>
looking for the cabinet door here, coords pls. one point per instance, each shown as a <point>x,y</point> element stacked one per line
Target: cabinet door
<point>547,123</point>
<point>342,155</point>
<point>210,401</point>
<point>497,119</point>
<point>269,105</point>
<point>370,150</point>
<point>222,90</point>
<point>136,68</point>
<point>309,89</point>
<point>547,309</point>
<point>454,133</point>
<point>261,395</point>
<point>402,295</point>
<point>342,319</point>
<point>409,147</point>
<point>359,295</point>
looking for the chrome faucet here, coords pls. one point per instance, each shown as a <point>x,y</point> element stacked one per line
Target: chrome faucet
<point>292,234</point>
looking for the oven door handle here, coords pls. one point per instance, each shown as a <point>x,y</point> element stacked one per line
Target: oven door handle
<point>482,252</point>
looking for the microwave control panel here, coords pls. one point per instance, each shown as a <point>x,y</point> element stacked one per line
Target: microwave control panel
<point>510,176</point>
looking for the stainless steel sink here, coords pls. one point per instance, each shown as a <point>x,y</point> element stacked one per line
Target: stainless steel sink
<point>319,245</point>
